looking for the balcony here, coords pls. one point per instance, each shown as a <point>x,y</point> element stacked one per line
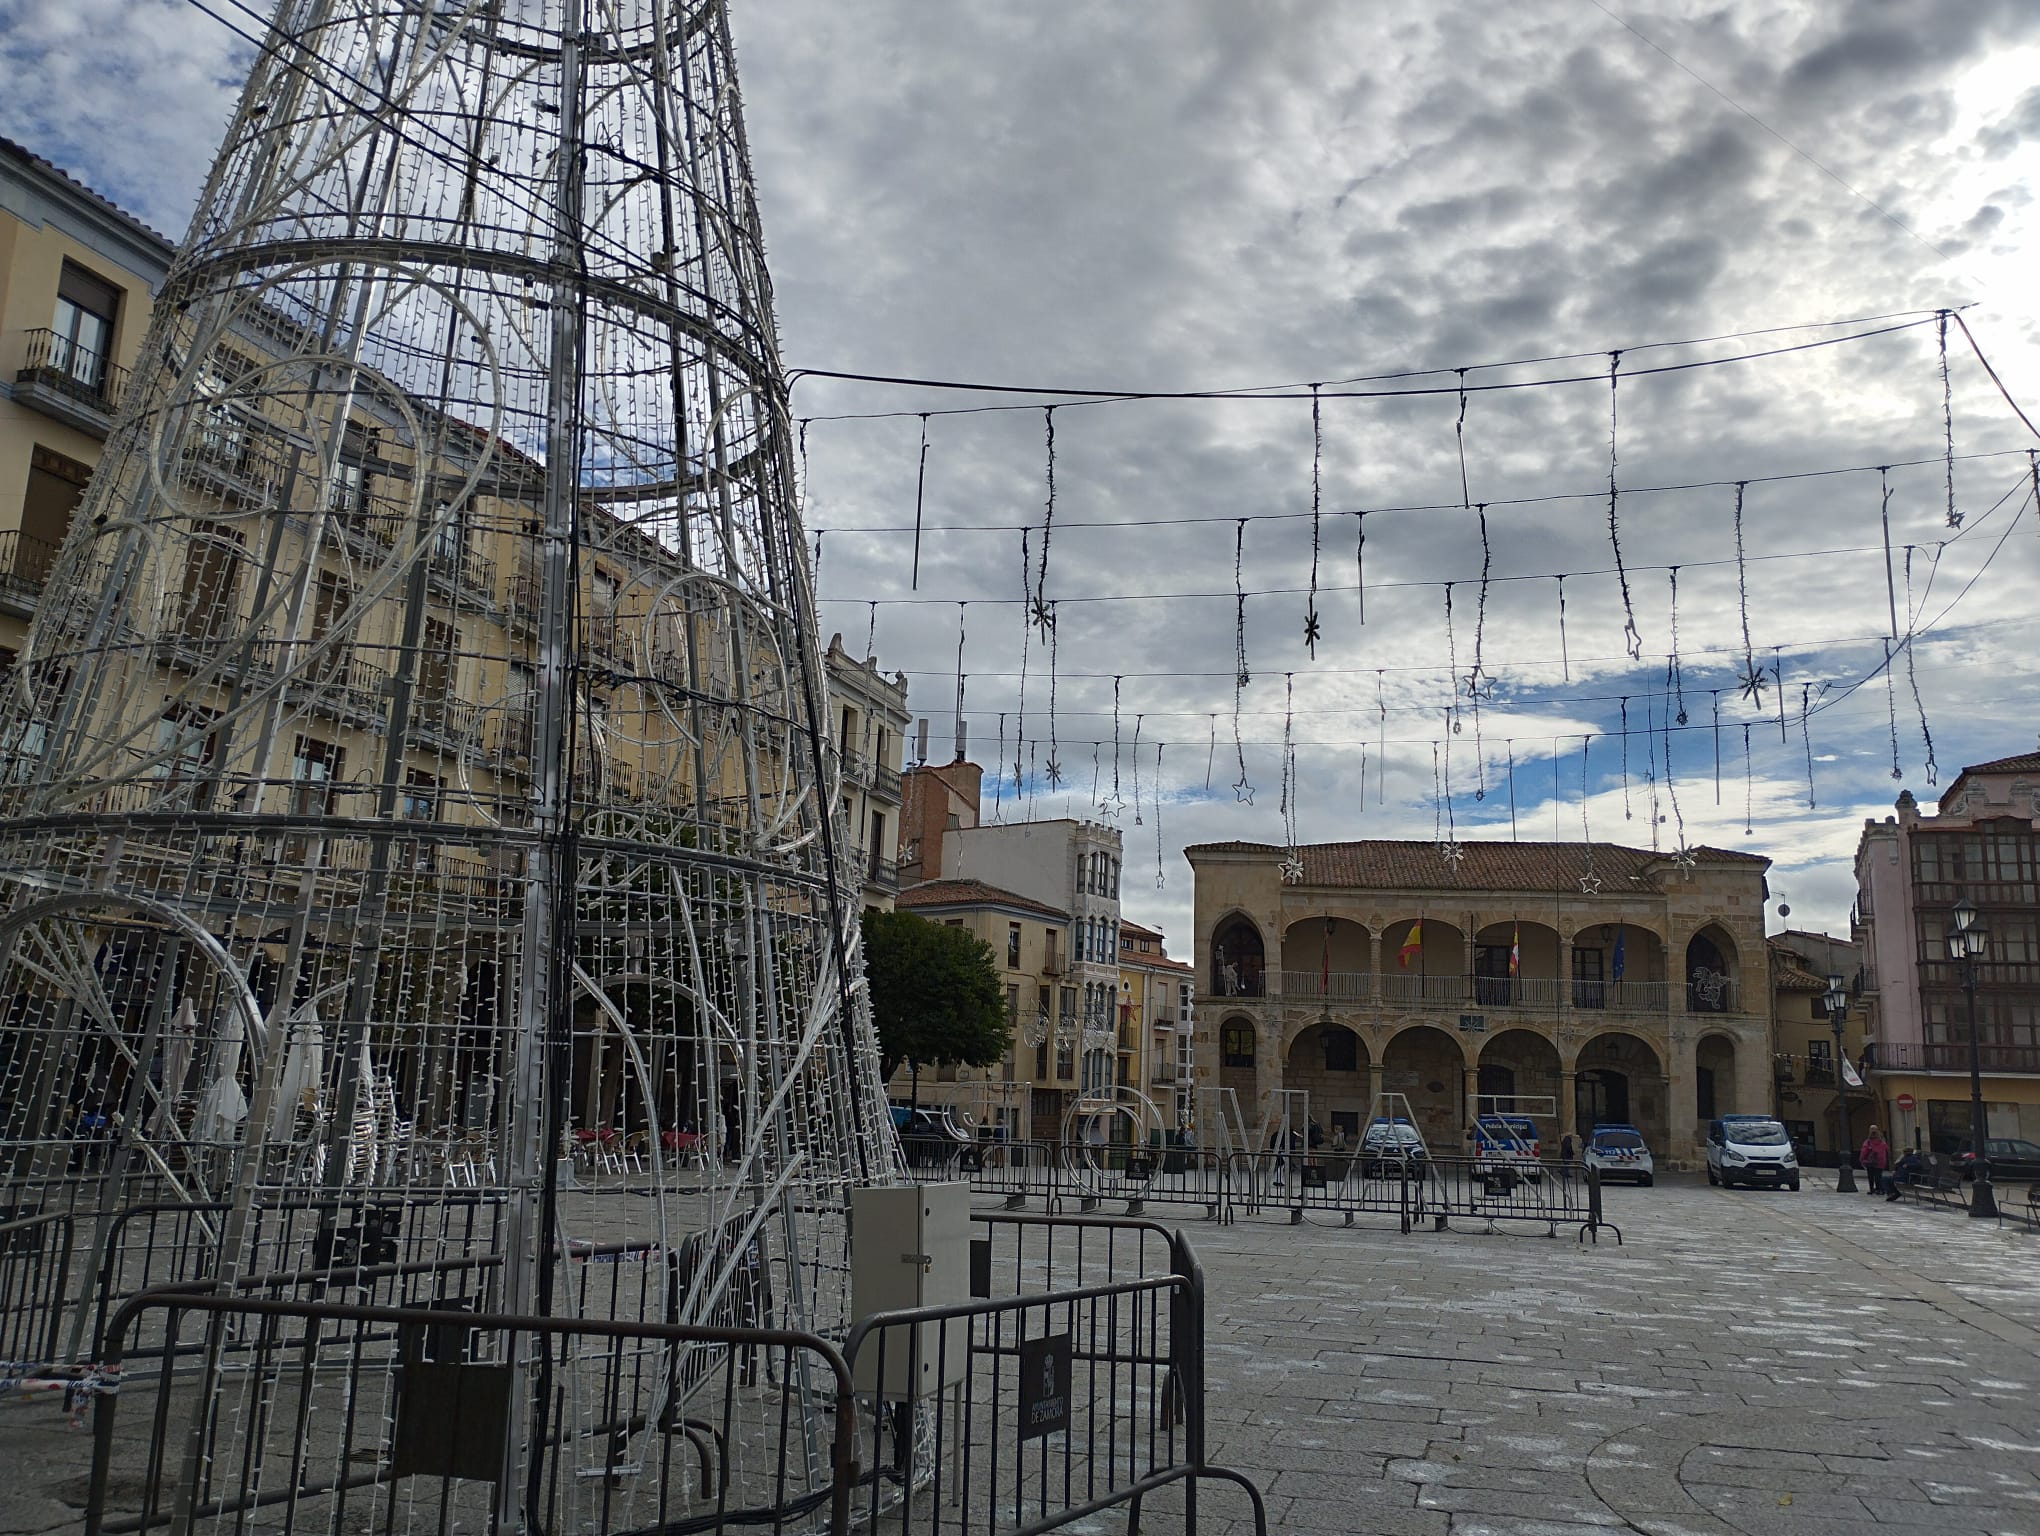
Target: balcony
<point>24,565</point>
<point>1164,1075</point>
<point>63,380</point>
<point>885,782</point>
<point>1403,989</point>
<point>1051,964</point>
<point>883,874</point>
<point>1952,1056</point>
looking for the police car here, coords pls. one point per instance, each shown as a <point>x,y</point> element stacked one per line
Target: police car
<point>1619,1152</point>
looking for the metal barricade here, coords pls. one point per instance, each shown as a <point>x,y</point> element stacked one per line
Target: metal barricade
<point>35,1267</point>
<point>1301,1186</point>
<point>1063,1175</point>
<point>331,1416</point>
<point>1085,1392</point>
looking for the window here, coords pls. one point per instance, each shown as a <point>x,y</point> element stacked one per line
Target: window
<point>450,536</point>
<point>878,847</point>
<point>185,744</point>
<point>347,491</point>
<point>421,796</point>
<point>1065,1058</point>
<point>1048,960</point>
<point>1115,879</point>
<point>1012,946</point>
<point>1183,1004</point>
<point>207,607</point>
<point>1069,1006</point>
<point>1012,1005</point>
<point>330,601</point>
<point>1081,931</point>
<point>81,345</point>
<point>314,771</point>
<point>436,648</point>
<point>1236,1045</point>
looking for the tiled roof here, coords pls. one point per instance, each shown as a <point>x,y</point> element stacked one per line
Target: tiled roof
<point>1379,863</point>
<point>1787,973</point>
<point>29,157</point>
<point>2025,762</point>
<point>971,893</point>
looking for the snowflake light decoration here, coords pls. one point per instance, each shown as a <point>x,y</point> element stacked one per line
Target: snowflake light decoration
<point>1291,868</point>
<point>1452,852</point>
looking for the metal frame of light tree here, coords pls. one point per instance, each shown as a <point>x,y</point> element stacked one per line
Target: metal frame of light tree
<point>433,657</point>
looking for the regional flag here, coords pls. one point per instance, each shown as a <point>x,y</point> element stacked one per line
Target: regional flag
<point>1516,949</point>
<point>1411,946</point>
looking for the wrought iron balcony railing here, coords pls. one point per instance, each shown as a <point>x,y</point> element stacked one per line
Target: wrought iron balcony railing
<point>57,363</point>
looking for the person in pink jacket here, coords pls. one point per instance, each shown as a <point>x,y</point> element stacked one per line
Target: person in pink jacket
<point>1875,1157</point>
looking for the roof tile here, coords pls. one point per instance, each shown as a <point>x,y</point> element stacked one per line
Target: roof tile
<point>1379,863</point>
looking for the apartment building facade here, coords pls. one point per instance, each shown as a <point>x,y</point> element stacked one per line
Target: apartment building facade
<point>1027,1095</point>
<point>1156,1013</point>
<point>1912,870</point>
<point>78,281</point>
<point>1579,983</point>
<point>868,715</point>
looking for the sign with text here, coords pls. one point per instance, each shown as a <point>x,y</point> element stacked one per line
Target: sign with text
<point>1044,1385</point>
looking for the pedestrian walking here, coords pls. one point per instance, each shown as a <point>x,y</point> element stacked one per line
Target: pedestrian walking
<point>1565,1156</point>
<point>1875,1155</point>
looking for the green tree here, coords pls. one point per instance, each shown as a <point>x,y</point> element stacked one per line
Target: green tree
<point>934,993</point>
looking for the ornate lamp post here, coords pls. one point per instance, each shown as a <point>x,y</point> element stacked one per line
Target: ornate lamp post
<point>1837,1001</point>
<point>1966,941</point>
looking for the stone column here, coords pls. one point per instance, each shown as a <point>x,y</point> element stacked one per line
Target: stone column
<point>1375,1069</point>
<point>1472,1102</point>
<point>1568,1103</point>
<point>1681,1112</point>
<point>1754,1088</point>
<point>1564,989</point>
<point>1374,961</point>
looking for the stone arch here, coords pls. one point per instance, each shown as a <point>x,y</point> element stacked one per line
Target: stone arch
<point>1619,1079</point>
<point>1326,957</point>
<point>1618,964</point>
<point>1533,979</point>
<point>1331,1061</point>
<point>1427,1066</point>
<point>1520,1072</point>
<point>1435,971</point>
<point>1714,1078</point>
<point>1710,971</point>
<point>1239,957</point>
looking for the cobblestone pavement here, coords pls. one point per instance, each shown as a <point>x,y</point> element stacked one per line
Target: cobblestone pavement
<point>1749,1361</point>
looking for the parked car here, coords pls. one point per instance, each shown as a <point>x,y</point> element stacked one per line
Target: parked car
<point>2011,1157</point>
<point>928,1135</point>
<point>1507,1146</point>
<point>1619,1152</point>
<point>1391,1148</point>
<point>1750,1149</point>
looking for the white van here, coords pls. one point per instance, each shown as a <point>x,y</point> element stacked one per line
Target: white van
<point>1750,1149</point>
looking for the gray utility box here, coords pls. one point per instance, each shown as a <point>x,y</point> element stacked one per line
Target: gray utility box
<point>910,1247</point>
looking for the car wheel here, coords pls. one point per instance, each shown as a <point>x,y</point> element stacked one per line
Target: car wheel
<point>1647,1180</point>
<point>1794,1185</point>
<point>1713,1178</point>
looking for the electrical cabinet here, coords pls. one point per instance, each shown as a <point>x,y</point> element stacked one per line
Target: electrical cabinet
<point>910,1248</point>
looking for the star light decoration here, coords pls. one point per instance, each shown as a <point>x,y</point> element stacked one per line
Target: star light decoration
<point>1042,615</point>
<point>1590,884</point>
<point>1687,861</point>
<point>1752,680</point>
<point>1054,774</point>
<point>1291,868</point>
<point>1311,632</point>
<point>1452,851</point>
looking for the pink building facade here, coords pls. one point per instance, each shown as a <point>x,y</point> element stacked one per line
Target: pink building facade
<point>1911,870</point>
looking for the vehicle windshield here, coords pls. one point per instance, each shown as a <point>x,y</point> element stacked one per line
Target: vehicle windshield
<point>1614,1140</point>
<point>1756,1133</point>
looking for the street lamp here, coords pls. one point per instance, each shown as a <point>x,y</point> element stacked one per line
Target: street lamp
<point>1965,945</point>
<point>1837,1001</point>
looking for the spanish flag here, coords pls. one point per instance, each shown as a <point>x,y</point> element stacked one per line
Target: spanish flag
<point>1411,946</point>
<point>1516,949</point>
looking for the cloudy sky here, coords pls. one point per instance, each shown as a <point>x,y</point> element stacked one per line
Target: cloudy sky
<point>1210,196</point>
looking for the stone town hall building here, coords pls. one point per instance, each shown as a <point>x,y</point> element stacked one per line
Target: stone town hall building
<point>1638,991</point>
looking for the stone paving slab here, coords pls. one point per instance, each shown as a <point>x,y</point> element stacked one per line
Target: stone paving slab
<point>1752,1362</point>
